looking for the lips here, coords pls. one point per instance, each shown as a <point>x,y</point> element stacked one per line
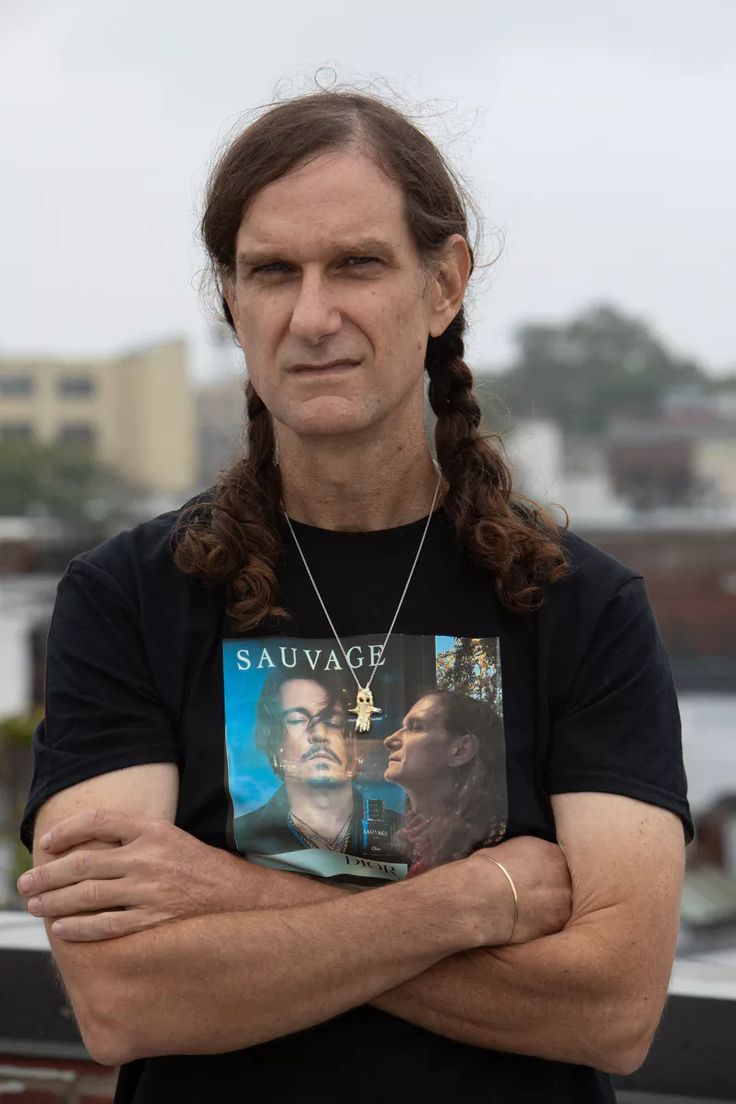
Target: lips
<point>320,369</point>
<point>321,755</point>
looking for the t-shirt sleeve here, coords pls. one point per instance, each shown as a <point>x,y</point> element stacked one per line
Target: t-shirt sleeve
<point>619,730</point>
<point>102,708</point>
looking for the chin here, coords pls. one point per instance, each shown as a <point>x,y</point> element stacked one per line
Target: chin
<point>330,416</point>
<point>327,782</point>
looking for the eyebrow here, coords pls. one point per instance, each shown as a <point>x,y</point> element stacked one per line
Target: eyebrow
<point>360,248</point>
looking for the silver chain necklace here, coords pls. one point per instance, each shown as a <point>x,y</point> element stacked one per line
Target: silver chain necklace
<point>364,707</point>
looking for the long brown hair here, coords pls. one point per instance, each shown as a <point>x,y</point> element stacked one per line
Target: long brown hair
<point>232,536</point>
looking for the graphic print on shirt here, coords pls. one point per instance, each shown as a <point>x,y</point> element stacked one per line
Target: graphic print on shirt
<point>311,793</point>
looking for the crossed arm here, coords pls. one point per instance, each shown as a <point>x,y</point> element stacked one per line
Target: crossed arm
<point>288,952</point>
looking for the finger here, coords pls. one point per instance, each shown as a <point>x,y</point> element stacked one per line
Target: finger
<point>100,824</point>
<point>104,925</point>
<point>84,897</point>
<point>71,869</point>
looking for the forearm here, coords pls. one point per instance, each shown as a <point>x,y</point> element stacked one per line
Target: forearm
<point>506,1000</point>
<point>274,972</point>
<point>569,997</point>
<point>555,998</point>
<point>260,887</point>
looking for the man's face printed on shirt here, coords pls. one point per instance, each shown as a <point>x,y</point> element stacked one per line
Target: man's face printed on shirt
<point>419,746</point>
<point>313,748</point>
<point>422,749</point>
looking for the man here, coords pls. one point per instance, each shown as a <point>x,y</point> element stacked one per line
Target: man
<point>302,728</point>
<point>448,756</point>
<point>340,243</point>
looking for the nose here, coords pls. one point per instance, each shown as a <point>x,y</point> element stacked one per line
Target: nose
<point>393,741</point>
<point>315,314</point>
<point>317,731</point>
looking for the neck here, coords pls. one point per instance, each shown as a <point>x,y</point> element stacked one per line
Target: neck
<point>432,802</point>
<point>323,808</point>
<point>358,485</point>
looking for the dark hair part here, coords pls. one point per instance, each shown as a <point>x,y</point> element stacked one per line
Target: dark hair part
<point>233,536</point>
<point>269,726</point>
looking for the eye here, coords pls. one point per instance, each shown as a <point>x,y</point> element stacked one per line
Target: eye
<point>361,262</point>
<point>294,719</point>
<point>268,269</point>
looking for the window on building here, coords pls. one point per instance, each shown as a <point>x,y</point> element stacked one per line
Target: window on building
<point>76,387</point>
<point>16,387</point>
<point>16,431</point>
<point>77,433</point>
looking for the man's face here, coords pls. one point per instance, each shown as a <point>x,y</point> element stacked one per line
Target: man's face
<point>420,750</point>
<point>328,275</point>
<point>313,747</point>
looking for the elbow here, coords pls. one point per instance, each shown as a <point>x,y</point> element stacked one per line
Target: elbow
<point>105,1026</point>
<point>621,1048</point>
<point>623,1062</point>
<point>105,1048</point>
<point>104,1013</point>
<point>631,1054</point>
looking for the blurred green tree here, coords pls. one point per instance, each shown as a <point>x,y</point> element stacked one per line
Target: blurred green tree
<point>581,373</point>
<point>61,481</point>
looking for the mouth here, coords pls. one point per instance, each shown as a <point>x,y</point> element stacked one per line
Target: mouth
<point>316,371</point>
<point>322,755</point>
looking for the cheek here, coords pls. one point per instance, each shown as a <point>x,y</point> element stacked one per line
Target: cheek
<point>291,747</point>
<point>257,333</point>
<point>414,754</point>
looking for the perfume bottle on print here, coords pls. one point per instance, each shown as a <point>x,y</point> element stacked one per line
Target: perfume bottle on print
<point>379,827</point>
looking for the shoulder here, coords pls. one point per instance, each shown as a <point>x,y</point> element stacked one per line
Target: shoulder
<point>140,556</point>
<point>276,804</point>
<point>264,829</point>
<point>589,563</point>
<point>593,581</point>
<point>588,613</point>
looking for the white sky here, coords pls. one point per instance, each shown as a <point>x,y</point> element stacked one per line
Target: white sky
<point>597,135</point>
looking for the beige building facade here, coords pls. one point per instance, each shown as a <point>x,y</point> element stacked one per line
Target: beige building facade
<point>715,463</point>
<point>136,412</point>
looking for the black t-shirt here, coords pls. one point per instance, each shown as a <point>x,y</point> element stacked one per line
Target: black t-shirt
<point>143,667</point>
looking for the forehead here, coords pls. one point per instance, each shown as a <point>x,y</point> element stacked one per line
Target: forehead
<point>428,709</point>
<point>338,197</point>
<point>303,694</point>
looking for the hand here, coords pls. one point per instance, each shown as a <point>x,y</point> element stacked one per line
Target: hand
<point>542,880</point>
<point>155,873</point>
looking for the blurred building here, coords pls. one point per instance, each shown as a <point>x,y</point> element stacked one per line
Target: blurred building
<point>686,458</point>
<point>572,472</point>
<point>220,414</point>
<point>684,544</point>
<point>134,411</point>
<point>535,449</point>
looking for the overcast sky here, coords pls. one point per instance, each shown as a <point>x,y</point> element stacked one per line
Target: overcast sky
<point>598,136</point>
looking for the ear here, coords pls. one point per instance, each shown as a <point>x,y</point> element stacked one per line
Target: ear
<point>228,295</point>
<point>450,275</point>
<point>464,750</point>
